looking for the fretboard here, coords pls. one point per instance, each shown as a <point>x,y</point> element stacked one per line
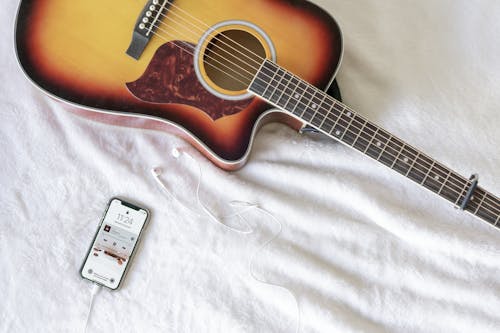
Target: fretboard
<point>321,111</point>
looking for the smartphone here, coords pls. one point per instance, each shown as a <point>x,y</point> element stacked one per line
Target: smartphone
<point>114,243</point>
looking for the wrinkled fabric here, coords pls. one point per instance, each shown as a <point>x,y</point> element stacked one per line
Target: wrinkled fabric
<point>362,249</point>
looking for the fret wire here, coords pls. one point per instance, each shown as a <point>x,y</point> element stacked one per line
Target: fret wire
<point>379,139</point>
<point>420,153</point>
<point>450,183</point>
<point>315,104</point>
<point>369,149</point>
<point>456,177</point>
<point>438,169</point>
<point>307,105</point>
<point>481,208</point>
<point>332,110</point>
<point>460,193</point>
<point>490,209</point>
<point>365,122</point>
<point>496,222</point>
<point>428,172</point>
<point>319,107</point>
<point>371,140</point>
<point>483,211</point>
<point>293,93</point>
<point>441,171</point>
<point>338,110</point>
<point>269,84</point>
<point>328,118</point>
<point>301,101</point>
<point>300,97</point>
<point>397,156</point>
<point>338,118</point>
<point>327,112</point>
<point>278,82</point>
<point>492,203</point>
<point>480,203</point>
<point>363,142</point>
<point>255,83</point>
<point>385,146</point>
<point>444,183</point>
<point>285,96</point>
<point>412,164</point>
<point>347,128</point>
<point>384,157</point>
<point>453,186</point>
<point>394,146</point>
<point>422,165</point>
<point>286,86</point>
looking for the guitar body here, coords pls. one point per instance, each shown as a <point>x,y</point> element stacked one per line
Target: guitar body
<point>76,52</point>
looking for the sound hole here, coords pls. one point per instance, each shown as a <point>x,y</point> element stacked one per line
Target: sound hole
<point>232,58</point>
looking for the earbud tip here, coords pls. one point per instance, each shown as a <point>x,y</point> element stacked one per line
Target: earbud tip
<point>176,153</point>
<point>156,171</point>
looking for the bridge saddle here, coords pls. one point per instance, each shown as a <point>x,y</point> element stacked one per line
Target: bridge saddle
<point>147,24</point>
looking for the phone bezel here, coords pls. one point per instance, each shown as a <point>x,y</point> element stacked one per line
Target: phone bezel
<point>132,255</point>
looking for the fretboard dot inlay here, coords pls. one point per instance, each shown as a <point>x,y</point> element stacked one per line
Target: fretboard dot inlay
<point>323,112</point>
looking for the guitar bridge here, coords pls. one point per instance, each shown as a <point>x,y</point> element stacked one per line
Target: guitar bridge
<point>146,26</point>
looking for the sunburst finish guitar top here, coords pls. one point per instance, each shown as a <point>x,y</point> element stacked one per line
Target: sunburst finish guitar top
<point>75,50</point>
<point>213,72</point>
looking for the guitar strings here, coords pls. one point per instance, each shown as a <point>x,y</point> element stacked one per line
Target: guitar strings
<point>212,58</point>
<point>431,165</point>
<point>484,200</point>
<point>246,49</point>
<point>453,190</point>
<point>463,190</point>
<point>259,60</point>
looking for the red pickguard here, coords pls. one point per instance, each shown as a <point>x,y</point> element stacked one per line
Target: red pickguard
<point>171,78</point>
<point>92,75</point>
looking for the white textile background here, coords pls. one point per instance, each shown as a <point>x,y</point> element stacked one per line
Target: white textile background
<point>362,248</point>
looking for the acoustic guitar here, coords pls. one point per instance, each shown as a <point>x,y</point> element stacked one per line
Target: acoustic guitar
<point>214,72</point>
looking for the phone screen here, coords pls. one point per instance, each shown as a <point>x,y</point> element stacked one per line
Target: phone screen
<point>114,243</point>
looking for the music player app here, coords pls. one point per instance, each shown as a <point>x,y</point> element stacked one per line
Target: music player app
<point>113,246</point>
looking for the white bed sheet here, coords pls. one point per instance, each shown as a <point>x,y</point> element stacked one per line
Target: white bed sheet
<point>362,249</point>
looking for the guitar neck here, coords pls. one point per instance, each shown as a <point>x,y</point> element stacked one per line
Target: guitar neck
<point>321,111</point>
